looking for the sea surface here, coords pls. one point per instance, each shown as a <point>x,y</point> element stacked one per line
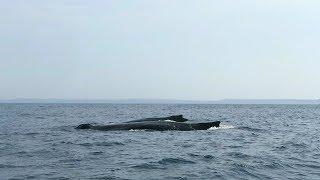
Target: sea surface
<point>38,141</point>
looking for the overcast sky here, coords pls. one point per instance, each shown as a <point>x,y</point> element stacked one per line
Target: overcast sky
<point>195,50</point>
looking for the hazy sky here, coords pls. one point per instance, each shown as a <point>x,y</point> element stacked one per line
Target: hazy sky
<point>198,49</point>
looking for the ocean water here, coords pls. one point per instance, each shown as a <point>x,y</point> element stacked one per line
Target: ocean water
<point>38,141</point>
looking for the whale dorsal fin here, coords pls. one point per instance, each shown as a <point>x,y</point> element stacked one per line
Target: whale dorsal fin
<point>177,118</point>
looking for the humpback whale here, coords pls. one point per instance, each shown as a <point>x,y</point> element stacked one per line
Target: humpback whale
<point>156,124</point>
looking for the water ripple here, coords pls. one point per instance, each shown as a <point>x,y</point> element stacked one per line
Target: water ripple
<point>168,161</point>
<point>38,141</point>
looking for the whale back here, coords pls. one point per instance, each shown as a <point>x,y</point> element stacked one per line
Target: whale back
<point>176,118</point>
<point>205,126</point>
<point>84,126</point>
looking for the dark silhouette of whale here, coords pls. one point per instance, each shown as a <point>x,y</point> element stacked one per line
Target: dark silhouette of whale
<point>156,124</point>
<point>177,118</point>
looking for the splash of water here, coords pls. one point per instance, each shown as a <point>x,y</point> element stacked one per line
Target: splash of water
<point>222,126</point>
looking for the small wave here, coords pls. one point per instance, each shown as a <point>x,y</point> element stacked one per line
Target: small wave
<point>70,160</point>
<point>137,130</point>
<point>102,144</point>
<point>96,153</point>
<point>40,117</point>
<point>167,161</point>
<point>177,177</point>
<point>108,144</point>
<point>280,148</point>
<point>187,145</point>
<point>25,115</point>
<point>298,144</point>
<point>201,156</point>
<point>209,157</point>
<point>194,155</point>
<point>10,166</point>
<point>312,166</point>
<point>235,146</point>
<point>251,129</point>
<point>244,169</point>
<point>222,127</point>
<point>273,165</point>
<point>147,166</point>
<point>104,177</point>
<point>31,133</point>
<point>239,155</point>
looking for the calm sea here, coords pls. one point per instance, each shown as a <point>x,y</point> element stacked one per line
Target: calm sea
<point>38,141</point>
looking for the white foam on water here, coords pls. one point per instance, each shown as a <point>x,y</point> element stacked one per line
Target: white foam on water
<point>168,120</point>
<point>137,130</point>
<point>222,126</point>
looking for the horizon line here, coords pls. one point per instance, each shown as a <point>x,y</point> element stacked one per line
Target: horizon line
<point>159,101</point>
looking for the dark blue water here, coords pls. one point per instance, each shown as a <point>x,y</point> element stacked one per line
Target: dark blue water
<point>38,141</point>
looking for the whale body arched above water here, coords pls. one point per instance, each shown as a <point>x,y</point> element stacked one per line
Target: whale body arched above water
<point>177,123</point>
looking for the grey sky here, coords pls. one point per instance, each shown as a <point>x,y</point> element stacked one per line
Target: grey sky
<point>183,49</point>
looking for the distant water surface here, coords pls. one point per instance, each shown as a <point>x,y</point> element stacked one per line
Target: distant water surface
<point>38,141</point>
